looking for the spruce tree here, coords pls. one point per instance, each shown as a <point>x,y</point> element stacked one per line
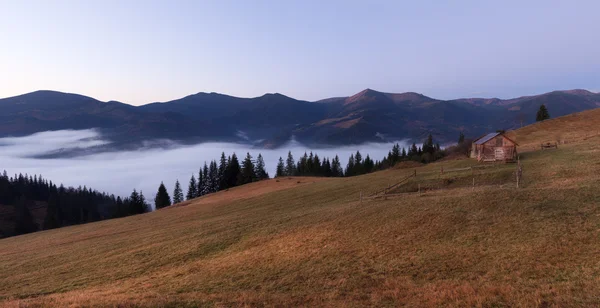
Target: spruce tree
<point>248,175</point>
<point>233,171</point>
<point>280,168</point>
<point>143,205</point>
<point>222,169</point>
<point>200,184</point>
<point>206,181</point>
<point>395,154</point>
<point>213,174</point>
<point>542,114</point>
<point>177,193</point>
<point>192,189</point>
<point>336,167</point>
<point>259,168</point>
<point>162,198</point>
<point>461,138</point>
<point>350,166</point>
<point>134,201</point>
<point>290,165</point>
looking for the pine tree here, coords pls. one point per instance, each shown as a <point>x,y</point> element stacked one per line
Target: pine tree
<point>358,164</point>
<point>192,189</point>
<point>222,169</point>
<point>134,200</point>
<point>542,114</point>
<point>395,154</point>
<point>428,146</point>
<point>461,138</point>
<point>177,193</point>
<point>336,167</point>
<point>206,181</point>
<point>247,175</point>
<point>280,168</point>
<point>162,198</point>
<point>143,205</point>
<point>350,166</point>
<point>200,184</point>
<point>259,169</point>
<point>233,171</point>
<point>368,165</point>
<point>137,203</point>
<point>290,165</point>
<point>213,174</point>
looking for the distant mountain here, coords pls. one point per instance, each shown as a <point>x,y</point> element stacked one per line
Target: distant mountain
<point>273,119</point>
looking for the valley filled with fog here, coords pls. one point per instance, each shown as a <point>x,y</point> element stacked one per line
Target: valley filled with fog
<point>119,172</point>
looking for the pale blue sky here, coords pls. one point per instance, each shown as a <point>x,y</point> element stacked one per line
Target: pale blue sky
<point>144,51</point>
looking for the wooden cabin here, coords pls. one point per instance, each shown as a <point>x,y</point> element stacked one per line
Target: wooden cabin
<point>494,147</point>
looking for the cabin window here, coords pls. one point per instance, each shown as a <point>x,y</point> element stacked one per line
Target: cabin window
<point>499,141</point>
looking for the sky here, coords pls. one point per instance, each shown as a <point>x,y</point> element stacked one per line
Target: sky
<point>139,52</point>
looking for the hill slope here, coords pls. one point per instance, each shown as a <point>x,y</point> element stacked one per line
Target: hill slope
<point>316,244</point>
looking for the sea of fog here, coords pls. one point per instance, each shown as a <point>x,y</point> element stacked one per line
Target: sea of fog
<point>119,172</point>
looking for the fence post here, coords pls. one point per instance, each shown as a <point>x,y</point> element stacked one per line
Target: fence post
<point>473,183</point>
<point>419,189</point>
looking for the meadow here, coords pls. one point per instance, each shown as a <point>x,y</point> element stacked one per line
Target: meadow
<point>312,242</point>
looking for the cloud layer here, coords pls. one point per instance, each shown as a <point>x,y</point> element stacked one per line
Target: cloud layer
<point>119,172</point>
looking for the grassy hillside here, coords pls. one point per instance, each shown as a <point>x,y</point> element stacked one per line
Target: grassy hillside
<point>576,127</point>
<point>312,242</point>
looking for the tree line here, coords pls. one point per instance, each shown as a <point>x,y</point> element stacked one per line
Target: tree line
<point>215,176</point>
<point>65,206</point>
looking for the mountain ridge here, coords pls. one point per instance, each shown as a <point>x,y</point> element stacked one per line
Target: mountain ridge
<point>275,118</point>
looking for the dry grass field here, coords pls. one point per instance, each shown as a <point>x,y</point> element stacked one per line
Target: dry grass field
<point>311,242</point>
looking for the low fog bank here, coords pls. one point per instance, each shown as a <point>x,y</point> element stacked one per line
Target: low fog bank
<point>120,172</point>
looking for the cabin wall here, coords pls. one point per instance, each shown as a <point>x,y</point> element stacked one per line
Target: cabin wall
<point>499,148</point>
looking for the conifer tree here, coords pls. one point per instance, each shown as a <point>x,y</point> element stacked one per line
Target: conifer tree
<point>200,183</point>
<point>192,191</point>
<point>259,169</point>
<point>290,165</point>
<point>213,174</point>
<point>326,167</point>
<point>336,167</point>
<point>143,205</point>
<point>350,166</point>
<point>206,181</point>
<point>368,165</point>
<point>177,193</point>
<point>134,201</point>
<point>395,155</point>
<point>248,175</point>
<point>233,171</point>
<point>162,198</point>
<point>542,114</point>
<point>358,164</point>
<point>280,168</point>
<point>461,138</point>
<point>222,168</point>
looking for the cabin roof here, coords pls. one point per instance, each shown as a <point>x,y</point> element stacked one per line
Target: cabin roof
<point>490,136</point>
<point>486,138</point>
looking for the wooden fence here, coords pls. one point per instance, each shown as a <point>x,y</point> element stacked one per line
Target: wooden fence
<point>384,193</point>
